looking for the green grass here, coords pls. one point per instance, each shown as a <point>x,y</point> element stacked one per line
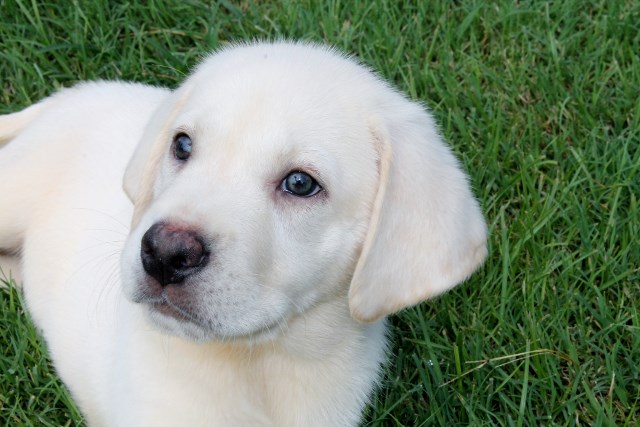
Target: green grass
<point>541,100</point>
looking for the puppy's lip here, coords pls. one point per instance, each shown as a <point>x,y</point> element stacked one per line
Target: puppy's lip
<point>157,300</point>
<point>167,309</point>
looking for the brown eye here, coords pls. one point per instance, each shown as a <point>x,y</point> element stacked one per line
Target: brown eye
<point>300,184</point>
<point>182,146</point>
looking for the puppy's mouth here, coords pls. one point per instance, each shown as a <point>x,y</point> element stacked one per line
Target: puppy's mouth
<point>161,303</point>
<point>167,309</point>
<point>173,309</point>
<point>175,320</point>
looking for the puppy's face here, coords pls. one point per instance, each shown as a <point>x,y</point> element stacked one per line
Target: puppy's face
<point>280,176</point>
<point>261,197</point>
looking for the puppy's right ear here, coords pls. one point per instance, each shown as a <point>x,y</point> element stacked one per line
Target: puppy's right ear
<point>139,177</point>
<point>427,233</point>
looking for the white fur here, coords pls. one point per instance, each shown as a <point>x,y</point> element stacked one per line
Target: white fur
<point>287,321</point>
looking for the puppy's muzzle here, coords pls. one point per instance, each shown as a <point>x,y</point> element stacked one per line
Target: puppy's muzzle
<point>171,252</point>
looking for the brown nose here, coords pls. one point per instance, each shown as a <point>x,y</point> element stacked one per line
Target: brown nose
<point>171,252</point>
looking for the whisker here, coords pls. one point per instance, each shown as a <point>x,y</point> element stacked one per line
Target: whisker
<point>104,214</point>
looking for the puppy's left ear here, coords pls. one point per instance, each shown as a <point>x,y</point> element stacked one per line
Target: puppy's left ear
<point>140,174</point>
<point>426,232</point>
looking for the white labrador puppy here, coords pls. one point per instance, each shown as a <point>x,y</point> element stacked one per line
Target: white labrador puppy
<point>285,200</point>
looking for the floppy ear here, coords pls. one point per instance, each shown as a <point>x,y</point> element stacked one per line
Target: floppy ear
<point>426,232</point>
<point>139,176</point>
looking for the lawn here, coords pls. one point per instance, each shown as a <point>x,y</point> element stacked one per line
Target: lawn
<point>541,102</point>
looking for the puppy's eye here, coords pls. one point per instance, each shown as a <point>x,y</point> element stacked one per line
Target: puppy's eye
<point>300,184</point>
<point>182,146</point>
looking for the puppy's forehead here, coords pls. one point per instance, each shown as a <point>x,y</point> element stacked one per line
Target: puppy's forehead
<point>293,65</point>
<point>279,97</point>
<point>282,79</point>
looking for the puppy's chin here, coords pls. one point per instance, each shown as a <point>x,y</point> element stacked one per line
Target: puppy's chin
<point>182,328</point>
<point>165,320</point>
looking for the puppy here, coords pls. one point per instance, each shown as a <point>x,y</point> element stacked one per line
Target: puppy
<point>276,207</point>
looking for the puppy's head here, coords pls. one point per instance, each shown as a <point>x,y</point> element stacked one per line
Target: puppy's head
<point>282,176</point>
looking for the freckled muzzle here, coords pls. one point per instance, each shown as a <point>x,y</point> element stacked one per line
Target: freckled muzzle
<point>171,252</point>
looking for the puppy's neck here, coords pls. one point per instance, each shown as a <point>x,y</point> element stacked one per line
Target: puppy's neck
<point>324,360</point>
<point>322,363</point>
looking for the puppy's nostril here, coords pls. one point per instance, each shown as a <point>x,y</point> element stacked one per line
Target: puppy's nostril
<point>179,262</point>
<point>146,248</point>
<point>184,261</point>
